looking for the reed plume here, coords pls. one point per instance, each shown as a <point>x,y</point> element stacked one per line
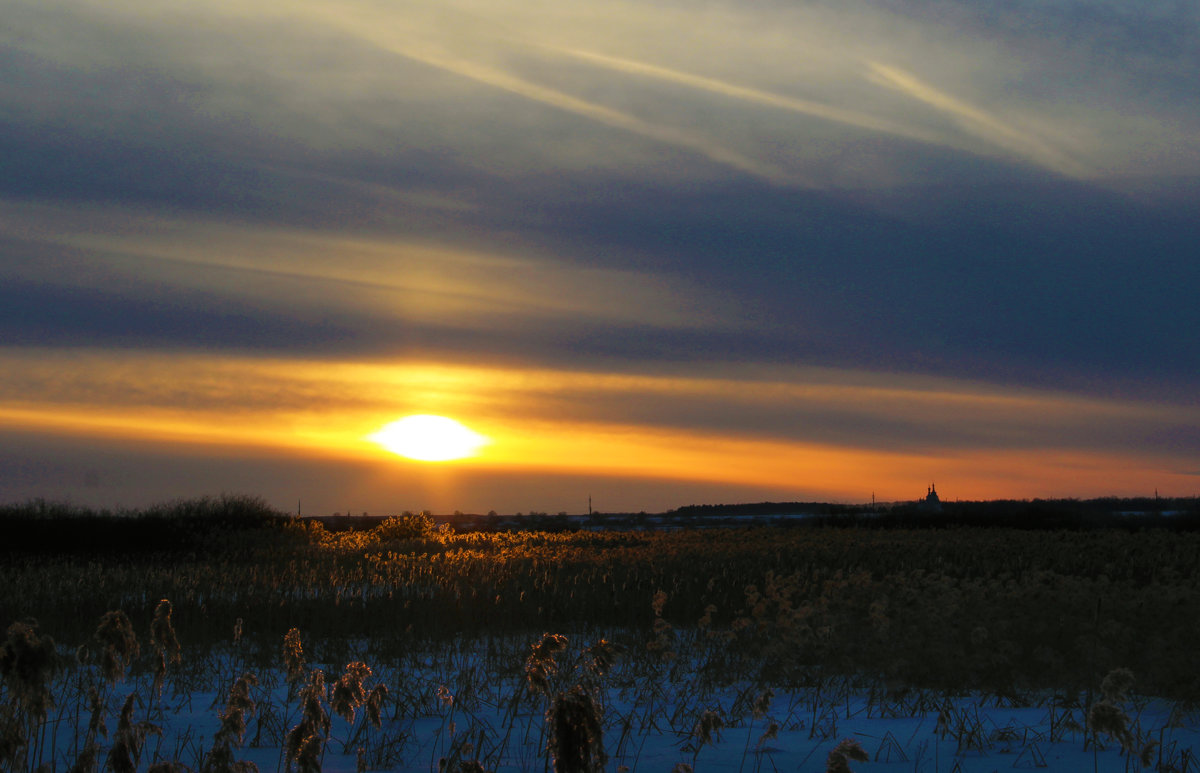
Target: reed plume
<point>1106,715</point>
<point>166,644</point>
<point>576,735</point>
<point>762,704</point>
<point>27,664</point>
<point>771,733</point>
<point>1108,718</point>
<point>171,766</point>
<point>839,758</point>
<point>540,666</point>
<point>348,692</point>
<point>119,645</point>
<point>707,730</point>
<point>232,731</point>
<point>373,706</point>
<point>12,740</point>
<point>306,741</point>
<point>602,655</point>
<point>293,656</point>
<point>663,631</point>
<point>129,740</point>
<point>1117,684</point>
<point>89,755</point>
<point>162,632</point>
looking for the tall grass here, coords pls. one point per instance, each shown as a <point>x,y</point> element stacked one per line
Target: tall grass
<point>990,609</point>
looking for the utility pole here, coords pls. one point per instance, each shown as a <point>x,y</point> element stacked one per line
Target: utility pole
<point>589,505</point>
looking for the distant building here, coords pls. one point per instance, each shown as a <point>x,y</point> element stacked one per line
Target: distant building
<point>931,503</point>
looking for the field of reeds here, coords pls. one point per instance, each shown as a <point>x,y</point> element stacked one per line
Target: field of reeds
<point>407,646</point>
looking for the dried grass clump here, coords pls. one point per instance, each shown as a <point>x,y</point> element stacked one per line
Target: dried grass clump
<point>461,766</point>
<point>549,645</point>
<point>658,601</point>
<point>129,740</point>
<point>707,730</point>
<point>1109,719</point>
<point>374,705</point>
<point>306,741</point>
<point>1117,684</point>
<point>348,692</point>
<point>1147,755</point>
<point>540,666</point>
<point>12,740</point>
<point>27,664</point>
<point>664,633</point>
<point>162,632</point>
<point>602,655</point>
<point>119,645</point>
<point>771,733</point>
<point>232,731</point>
<point>1106,715</point>
<point>293,656</point>
<point>839,758</point>
<point>89,755</point>
<point>166,644</point>
<point>576,733</point>
<point>175,767</point>
<point>762,704</point>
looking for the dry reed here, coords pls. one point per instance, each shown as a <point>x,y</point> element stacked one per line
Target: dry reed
<point>576,734</point>
<point>130,738</point>
<point>165,643</point>
<point>305,743</point>
<point>839,758</point>
<point>119,645</point>
<point>27,664</point>
<point>293,656</point>
<point>348,692</point>
<point>540,666</point>
<point>232,730</point>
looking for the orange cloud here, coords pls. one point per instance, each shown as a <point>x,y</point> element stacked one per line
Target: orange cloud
<point>330,409</point>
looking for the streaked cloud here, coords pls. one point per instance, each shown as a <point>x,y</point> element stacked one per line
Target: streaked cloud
<point>812,108</point>
<point>683,427</point>
<point>1023,144</point>
<point>507,81</point>
<point>297,267</point>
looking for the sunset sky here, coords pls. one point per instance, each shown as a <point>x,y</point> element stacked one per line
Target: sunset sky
<point>660,252</point>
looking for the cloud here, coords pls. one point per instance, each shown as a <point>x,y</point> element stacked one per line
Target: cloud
<point>710,430</point>
<point>495,77</point>
<point>320,89</point>
<point>829,407</point>
<point>807,107</point>
<point>1023,144</point>
<point>286,270</point>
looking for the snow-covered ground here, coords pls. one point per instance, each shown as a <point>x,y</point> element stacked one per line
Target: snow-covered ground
<point>465,705</point>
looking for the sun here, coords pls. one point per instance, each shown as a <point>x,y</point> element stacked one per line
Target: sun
<point>429,438</point>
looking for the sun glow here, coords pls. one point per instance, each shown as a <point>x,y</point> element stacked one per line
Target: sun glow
<point>429,438</point>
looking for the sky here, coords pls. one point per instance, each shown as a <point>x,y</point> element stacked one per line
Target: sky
<point>658,253</point>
